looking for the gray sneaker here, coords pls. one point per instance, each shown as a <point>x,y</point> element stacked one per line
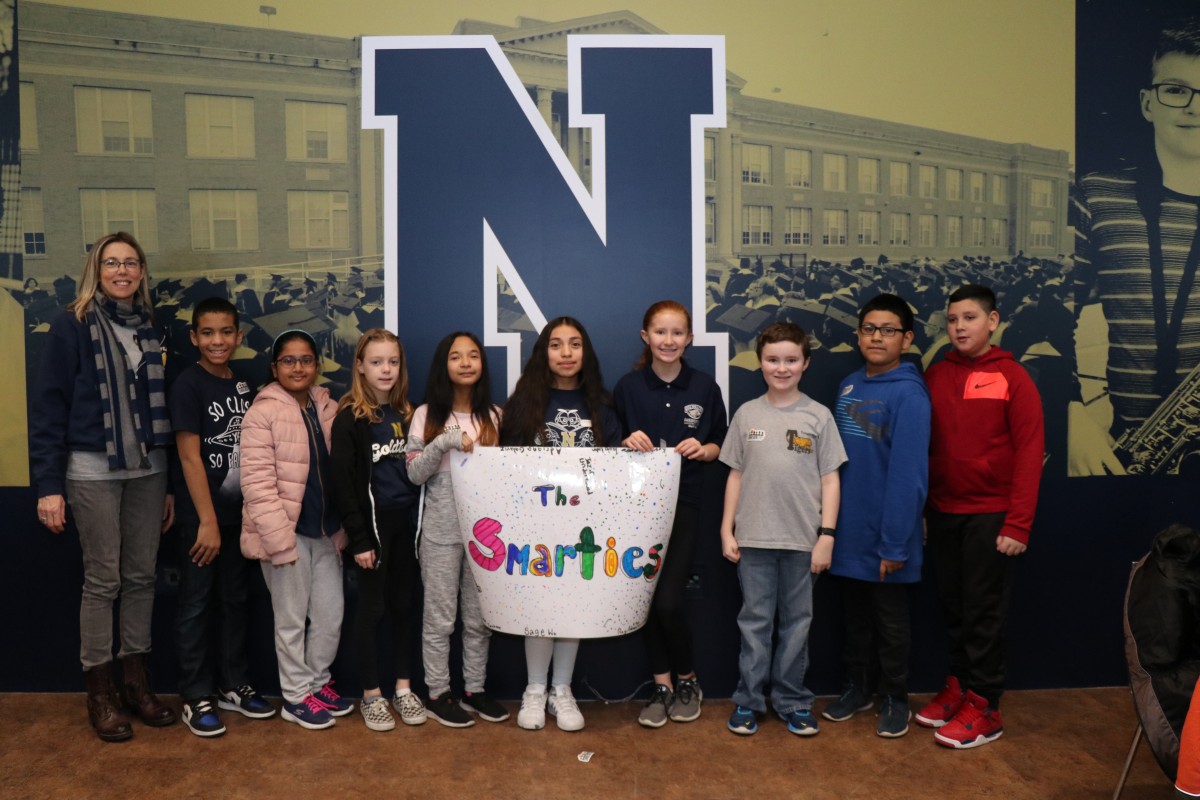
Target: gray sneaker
<point>850,703</point>
<point>688,698</point>
<point>654,714</point>
<point>894,714</point>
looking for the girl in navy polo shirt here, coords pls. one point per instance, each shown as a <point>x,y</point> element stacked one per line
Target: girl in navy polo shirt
<point>378,505</point>
<point>666,403</point>
<point>559,401</point>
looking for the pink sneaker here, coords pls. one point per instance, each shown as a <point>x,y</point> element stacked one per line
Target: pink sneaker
<point>944,705</point>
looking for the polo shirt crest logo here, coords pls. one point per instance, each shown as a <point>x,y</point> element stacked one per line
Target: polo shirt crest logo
<point>798,443</point>
<point>691,415</point>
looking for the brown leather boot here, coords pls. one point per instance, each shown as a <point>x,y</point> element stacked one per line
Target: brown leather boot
<point>104,709</point>
<point>139,698</point>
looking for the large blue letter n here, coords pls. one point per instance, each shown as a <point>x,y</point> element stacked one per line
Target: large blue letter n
<point>476,182</point>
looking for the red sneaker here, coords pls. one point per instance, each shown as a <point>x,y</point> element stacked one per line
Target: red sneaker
<point>944,705</point>
<point>973,725</point>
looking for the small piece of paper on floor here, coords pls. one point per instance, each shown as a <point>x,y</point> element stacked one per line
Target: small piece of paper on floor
<point>586,756</point>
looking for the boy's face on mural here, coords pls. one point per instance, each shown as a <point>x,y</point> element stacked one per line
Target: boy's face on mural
<point>1176,130</point>
<point>970,327</point>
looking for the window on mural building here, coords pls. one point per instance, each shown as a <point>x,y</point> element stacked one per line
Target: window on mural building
<point>868,175</point>
<point>131,210</point>
<point>798,166</point>
<point>315,131</point>
<point>318,220</point>
<point>954,184</point>
<point>835,227</point>
<point>927,181</point>
<point>756,164</point>
<point>756,225</point>
<point>33,222</point>
<point>835,172</point>
<point>868,227</point>
<point>113,121</point>
<point>219,126</point>
<point>899,233</point>
<point>799,226</point>
<point>224,219</point>
<point>898,179</point>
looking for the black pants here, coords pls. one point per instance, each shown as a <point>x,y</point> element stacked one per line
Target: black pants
<point>974,585</point>
<point>667,634</point>
<point>391,587</point>
<point>225,582</point>
<point>878,635</point>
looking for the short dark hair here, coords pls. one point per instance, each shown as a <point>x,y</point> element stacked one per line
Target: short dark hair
<point>783,332</point>
<point>892,303</point>
<point>1180,35</point>
<point>973,291</point>
<point>213,305</point>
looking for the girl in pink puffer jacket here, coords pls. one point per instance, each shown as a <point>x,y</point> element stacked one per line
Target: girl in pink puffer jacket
<point>291,524</point>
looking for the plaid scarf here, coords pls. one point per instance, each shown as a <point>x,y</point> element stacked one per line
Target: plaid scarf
<point>119,384</point>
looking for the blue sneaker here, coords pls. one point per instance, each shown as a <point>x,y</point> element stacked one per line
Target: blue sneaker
<point>334,703</point>
<point>802,722</point>
<point>202,719</point>
<point>743,721</point>
<point>308,713</point>
<point>246,701</point>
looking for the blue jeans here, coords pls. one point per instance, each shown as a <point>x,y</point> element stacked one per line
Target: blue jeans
<point>774,581</point>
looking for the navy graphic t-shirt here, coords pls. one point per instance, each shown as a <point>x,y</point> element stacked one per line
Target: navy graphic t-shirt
<point>212,408</point>
<point>568,422</point>
<point>389,473</point>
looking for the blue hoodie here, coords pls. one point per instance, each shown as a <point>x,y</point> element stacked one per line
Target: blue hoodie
<point>884,425</point>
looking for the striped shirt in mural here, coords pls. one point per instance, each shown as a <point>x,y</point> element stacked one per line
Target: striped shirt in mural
<point>1113,257</point>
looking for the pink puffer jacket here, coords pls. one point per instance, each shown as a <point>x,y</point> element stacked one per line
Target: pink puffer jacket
<point>274,471</point>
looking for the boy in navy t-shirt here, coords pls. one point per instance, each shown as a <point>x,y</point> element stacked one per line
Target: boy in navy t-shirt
<point>207,403</point>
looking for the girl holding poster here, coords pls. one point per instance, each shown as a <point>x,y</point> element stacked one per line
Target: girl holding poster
<point>664,402</point>
<point>458,414</point>
<point>378,505</point>
<point>559,401</point>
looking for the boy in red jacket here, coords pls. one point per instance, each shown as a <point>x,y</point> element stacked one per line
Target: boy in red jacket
<point>985,462</point>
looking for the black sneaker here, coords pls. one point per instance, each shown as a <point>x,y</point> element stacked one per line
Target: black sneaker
<point>850,703</point>
<point>894,714</point>
<point>485,707</point>
<point>446,710</point>
<point>246,701</point>
<point>202,718</point>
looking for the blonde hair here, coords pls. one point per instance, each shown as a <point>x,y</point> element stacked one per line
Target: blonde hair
<point>89,283</point>
<point>361,398</point>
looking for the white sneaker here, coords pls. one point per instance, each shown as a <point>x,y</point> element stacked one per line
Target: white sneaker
<point>532,716</point>
<point>563,706</point>
<point>410,708</point>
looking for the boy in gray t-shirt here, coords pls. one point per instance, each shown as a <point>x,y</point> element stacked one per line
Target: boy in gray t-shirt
<point>781,506</point>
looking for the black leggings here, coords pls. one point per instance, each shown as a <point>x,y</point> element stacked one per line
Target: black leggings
<point>668,635</point>
<point>392,586</point>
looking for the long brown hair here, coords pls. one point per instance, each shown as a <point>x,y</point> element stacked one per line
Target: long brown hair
<point>361,397</point>
<point>89,283</point>
<point>439,393</point>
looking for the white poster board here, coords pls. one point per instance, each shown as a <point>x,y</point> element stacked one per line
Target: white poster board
<point>565,541</point>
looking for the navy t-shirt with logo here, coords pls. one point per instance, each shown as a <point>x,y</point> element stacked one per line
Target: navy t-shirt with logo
<point>390,486</point>
<point>212,408</point>
<point>689,407</point>
<point>569,423</point>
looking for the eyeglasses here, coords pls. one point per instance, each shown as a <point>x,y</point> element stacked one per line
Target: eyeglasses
<point>886,331</point>
<point>1174,95</point>
<point>112,264</point>
<point>291,361</point>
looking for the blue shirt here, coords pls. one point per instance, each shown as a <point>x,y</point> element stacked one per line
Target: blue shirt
<point>689,407</point>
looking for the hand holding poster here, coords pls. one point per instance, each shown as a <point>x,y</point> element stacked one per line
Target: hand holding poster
<point>565,541</point>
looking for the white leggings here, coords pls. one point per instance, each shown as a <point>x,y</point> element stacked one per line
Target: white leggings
<point>538,652</point>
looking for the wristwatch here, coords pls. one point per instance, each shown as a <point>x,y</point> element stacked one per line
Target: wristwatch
<point>830,532</point>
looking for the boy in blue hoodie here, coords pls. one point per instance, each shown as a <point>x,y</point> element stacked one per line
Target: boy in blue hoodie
<point>883,418</point>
